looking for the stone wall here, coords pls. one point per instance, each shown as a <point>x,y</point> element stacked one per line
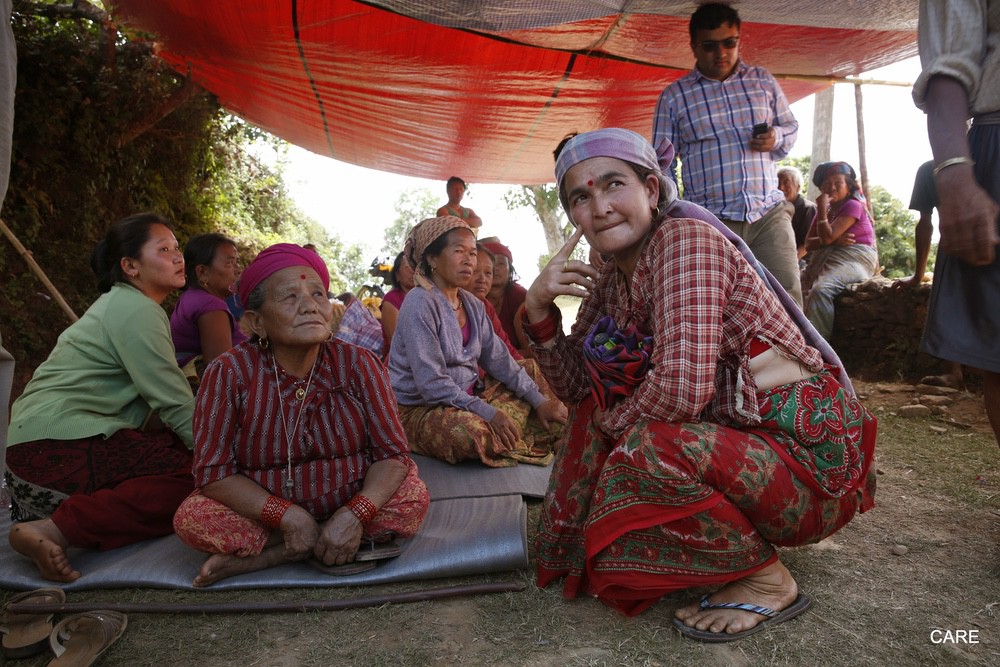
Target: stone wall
<point>877,331</point>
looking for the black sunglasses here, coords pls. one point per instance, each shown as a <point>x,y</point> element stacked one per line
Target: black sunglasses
<point>728,44</point>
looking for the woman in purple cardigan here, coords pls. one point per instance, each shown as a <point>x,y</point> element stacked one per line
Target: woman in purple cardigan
<point>443,337</point>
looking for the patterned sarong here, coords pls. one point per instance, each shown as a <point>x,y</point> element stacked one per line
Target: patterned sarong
<point>679,505</point>
<point>453,434</point>
<point>208,525</point>
<point>102,493</point>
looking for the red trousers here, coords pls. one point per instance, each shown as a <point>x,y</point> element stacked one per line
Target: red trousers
<point>102,493</point>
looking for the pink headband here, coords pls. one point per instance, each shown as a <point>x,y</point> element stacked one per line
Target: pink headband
<point>273,259</point>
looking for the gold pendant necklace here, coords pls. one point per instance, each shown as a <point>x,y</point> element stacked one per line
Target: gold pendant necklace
<point>300,394</point>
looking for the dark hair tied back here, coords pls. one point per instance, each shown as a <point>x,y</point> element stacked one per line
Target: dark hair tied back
<point>125,238</point>
<point>200,251</point>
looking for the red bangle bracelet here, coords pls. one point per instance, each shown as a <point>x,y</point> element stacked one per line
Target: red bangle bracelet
<point>274,509</point>
<point>363,508</point>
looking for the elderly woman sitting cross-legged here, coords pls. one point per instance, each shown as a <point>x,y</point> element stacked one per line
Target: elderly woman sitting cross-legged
<point>444,337</point>
<point>299,451</point>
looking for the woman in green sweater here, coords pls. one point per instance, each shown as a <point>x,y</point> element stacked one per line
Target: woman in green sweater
<point>83,467</point>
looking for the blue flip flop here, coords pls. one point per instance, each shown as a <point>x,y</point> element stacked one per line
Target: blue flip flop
<point>801,603</point>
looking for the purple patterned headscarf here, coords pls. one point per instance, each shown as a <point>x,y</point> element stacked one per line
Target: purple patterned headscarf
<point>613,142</point>
<point>618,143</point>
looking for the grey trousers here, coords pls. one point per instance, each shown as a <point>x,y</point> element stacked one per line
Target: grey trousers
<point>772,242</point>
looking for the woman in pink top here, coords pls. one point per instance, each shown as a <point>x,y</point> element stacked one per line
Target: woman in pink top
<point>201,325</point>
<point>401,279</point>
<point>840,242</point>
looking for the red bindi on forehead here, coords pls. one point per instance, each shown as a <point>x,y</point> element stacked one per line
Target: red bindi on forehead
<point>590,183</point>
<point>302,276</point>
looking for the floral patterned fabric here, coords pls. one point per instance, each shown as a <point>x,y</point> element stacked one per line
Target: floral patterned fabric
<point>453,434</point>
<point>210,526</point>
<point>677,505</point>
<point>102,493</point>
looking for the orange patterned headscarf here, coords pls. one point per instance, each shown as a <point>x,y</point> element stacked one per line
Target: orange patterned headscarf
<point>425,233</point>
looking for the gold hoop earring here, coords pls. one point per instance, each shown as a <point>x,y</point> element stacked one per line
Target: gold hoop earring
<point>264,343</point>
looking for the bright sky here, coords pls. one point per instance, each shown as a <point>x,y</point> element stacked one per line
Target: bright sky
<point>357,204</point>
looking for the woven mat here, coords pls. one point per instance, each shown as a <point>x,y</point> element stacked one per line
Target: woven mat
<point>476,524</point>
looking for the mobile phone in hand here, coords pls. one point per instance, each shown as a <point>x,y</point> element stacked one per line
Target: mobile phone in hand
<point>760,128</point>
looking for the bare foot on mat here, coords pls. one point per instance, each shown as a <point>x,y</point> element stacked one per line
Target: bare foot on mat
<point>221,566</point>
<point>773,587</point>
<point>44,543</point>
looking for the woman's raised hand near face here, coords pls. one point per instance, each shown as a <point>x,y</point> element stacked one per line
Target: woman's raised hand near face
<point>561,276</point>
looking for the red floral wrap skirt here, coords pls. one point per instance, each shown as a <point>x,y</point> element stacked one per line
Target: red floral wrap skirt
<point>669,506</point>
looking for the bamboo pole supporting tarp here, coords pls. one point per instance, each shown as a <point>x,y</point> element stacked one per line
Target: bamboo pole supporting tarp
<point>859,110</point>
<point>37,270</point>
<point>272,606</point>
<point>822,136</point>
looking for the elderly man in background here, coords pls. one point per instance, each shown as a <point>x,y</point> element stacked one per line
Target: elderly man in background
<point>790,182</point>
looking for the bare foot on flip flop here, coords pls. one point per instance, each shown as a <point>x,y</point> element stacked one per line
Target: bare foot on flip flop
<point>773,587</point>
<point>44,543</point>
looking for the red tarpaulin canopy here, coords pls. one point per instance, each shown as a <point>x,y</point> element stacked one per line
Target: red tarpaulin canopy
<point>485,89</point>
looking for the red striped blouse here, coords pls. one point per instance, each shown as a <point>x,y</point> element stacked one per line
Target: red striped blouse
<point>350,421</point>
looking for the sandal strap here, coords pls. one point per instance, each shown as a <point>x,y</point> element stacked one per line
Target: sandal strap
<point>41,595</point>
<point>108,622</point>
<point>742,606</point>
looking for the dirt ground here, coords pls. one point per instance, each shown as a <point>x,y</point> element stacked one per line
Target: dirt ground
<point>916,581</point>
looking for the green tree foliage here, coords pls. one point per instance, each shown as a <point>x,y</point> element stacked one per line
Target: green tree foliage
<point>411,207</point>
<point>894,234</point>
<point>543,200</point>
<point>92,145</point>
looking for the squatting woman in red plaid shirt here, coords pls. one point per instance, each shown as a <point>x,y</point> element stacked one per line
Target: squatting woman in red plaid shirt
<point>705,431</point>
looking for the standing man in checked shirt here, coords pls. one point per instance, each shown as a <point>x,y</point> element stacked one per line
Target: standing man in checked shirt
<point>729,123</point>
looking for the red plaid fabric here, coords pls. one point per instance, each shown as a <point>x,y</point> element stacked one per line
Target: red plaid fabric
<point>702,303</point>
<point>349,421</point>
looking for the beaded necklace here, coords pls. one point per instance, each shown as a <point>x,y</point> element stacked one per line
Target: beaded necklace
<point>300,394</point>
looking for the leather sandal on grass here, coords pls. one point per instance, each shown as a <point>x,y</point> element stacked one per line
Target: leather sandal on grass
<point>27,634</point>
<point>80,639</point>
